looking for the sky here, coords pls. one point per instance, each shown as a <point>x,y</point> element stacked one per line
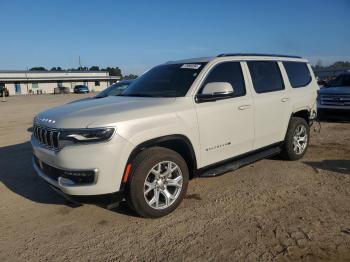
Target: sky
<point>137,35</point>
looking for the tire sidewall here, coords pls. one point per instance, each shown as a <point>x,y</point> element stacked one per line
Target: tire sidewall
<point>294,123</point>
<point>143,165</point>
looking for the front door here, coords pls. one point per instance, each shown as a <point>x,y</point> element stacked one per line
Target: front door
<point>226,126</point>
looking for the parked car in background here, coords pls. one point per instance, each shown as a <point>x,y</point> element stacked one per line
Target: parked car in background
<point>334,98</point>
<point>196,117</point>
<point>81,89</point>
<point>4,90</point>
<point>113,90</point>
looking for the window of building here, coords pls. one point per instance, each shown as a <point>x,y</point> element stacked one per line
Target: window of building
<point>230,72</point>
<point>97,83</point>
<point>266,76</point>
<point>35,85</point>
<point>298,74</point>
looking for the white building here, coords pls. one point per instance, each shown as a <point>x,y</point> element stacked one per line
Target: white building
<point>34,82</point>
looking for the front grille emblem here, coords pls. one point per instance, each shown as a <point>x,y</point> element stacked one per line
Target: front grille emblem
<point>47,120</point>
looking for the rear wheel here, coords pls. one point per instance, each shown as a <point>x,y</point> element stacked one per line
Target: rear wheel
<point>297,139</point>
<point>158,182</point>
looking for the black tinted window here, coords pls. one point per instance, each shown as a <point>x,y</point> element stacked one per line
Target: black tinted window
<point>266,76</point>
<point>342,80</point>
<point>298,73</point>
<point>230,72</point>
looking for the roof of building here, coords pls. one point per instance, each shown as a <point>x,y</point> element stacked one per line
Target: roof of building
<point>40,76</point>
<point>40,71</point>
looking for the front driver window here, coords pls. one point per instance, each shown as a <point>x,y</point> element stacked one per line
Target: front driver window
<point>230,72</point>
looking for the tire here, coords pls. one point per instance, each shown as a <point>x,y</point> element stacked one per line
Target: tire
<point>293,150</point>
<point>146,183</point>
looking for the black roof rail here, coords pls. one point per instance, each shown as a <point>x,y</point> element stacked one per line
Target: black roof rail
<point>247,54</point>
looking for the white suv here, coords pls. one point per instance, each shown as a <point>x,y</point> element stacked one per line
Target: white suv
<point>181,119</point>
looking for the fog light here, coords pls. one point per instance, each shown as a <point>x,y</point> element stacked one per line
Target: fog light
<point>80,176</point>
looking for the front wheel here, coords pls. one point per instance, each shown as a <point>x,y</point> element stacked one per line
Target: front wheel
<point>297,139</point>
<point>158,182</point>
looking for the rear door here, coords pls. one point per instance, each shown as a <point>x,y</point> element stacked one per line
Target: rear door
<point>226,126</point>
<point>271,102</point>
<point>303,90</point>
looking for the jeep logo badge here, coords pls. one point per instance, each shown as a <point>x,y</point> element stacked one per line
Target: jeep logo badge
<point>46,120</point>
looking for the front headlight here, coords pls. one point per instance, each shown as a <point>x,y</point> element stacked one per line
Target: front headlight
<point>83,136</point>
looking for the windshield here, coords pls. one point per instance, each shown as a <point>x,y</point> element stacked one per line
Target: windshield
<point>169,80</point>
<point>342,80</point>
<point>114,90</point>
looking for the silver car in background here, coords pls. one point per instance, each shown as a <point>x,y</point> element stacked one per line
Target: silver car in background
<point>113,90</point>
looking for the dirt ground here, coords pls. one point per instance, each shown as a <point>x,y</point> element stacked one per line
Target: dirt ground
<point>270,210</point>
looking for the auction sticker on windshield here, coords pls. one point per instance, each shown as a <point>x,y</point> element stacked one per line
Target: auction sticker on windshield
<point>191,66</point>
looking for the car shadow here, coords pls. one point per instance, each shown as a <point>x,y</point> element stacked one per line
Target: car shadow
<point>339,166</point>
<point>18,175</point>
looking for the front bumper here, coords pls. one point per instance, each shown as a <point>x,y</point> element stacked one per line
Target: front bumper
<point>332,107</point>
<point>84,170</point>
<point>105,199</point>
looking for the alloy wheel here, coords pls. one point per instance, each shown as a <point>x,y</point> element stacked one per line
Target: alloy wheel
<point>163,185</point>
<point>300,139</point>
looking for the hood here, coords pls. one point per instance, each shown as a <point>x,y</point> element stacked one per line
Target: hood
<point>335,90</point>
<point>82,99</point>
<point>105,111</point>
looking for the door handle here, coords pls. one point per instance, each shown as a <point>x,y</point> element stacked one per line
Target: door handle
<point>285,99</point>
<point>244,107</point>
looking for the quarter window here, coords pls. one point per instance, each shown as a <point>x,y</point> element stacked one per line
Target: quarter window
<point>298,74</point>
<point>266,76</point>
<point>230,72</point>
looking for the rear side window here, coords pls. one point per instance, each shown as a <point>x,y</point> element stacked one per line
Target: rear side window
<point>230,72</point>
<point>298,74</point>
<point>266,76</point>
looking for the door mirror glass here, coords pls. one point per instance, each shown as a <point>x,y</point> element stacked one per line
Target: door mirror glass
<point>215,91</point>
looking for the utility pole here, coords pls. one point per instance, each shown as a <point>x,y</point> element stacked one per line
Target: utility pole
<point>80,63</point>
<point>26,74</point>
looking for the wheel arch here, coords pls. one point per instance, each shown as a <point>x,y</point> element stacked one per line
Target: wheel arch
<point>302,113</point>
<point>179,143</point>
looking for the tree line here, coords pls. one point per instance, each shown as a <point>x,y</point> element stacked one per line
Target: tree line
<point>339,65</point>
<point>113,71</point>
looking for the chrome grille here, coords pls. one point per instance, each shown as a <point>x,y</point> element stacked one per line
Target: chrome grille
<point>335,100</point>
<point>46,136</point>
